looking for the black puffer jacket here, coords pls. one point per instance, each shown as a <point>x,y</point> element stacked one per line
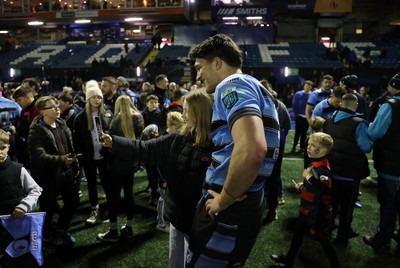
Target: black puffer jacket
<point>123,166</point>
<point>183,167</point>
<point>11,190</point>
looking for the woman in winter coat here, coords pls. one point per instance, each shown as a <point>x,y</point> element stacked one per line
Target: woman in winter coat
<point>128,123</point>
<point>88,126</point>
<point>183,158</point>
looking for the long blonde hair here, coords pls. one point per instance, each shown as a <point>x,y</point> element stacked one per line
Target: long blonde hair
<point>125,109</point>
<point>175,120</point>
<point>88,110</point>
<point>200,104</point>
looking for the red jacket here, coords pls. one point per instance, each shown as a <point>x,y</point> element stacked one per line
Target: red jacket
<point>315,205</point>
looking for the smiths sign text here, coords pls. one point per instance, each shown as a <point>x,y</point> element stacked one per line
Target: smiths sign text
<point>240,11</point>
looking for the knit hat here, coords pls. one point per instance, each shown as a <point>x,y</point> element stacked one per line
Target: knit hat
<point>350,80</point>
<point>395,81</point>
<point>92,89</point>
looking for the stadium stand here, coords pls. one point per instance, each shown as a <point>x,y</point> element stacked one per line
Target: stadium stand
<point>175,54</point>
<point>390,60</point>
<point>262,55</point>
<point>69,56</point>
<point>296,55</point>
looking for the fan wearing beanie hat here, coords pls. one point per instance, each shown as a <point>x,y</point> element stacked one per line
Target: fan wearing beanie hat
<point>93,89</point>
<point>350,81</point>
<point>89,126</point>
<point>395,81</point>
<point>385,133</point>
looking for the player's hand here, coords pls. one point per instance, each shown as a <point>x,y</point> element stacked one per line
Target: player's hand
<point>214,205</point>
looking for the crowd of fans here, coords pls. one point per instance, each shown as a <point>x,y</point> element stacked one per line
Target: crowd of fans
<point>60,133</point>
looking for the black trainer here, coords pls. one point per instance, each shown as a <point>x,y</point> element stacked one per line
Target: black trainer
<point>348,234</point>
<point>341,241</point>
<point>376,243</point>
<point>66,237</point>
<point>126,231</point>
<point>352,233</point>
<point>271,216</point>
<point>109,236</point>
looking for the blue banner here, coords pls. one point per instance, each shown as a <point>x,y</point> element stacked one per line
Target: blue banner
<point>20,236</point>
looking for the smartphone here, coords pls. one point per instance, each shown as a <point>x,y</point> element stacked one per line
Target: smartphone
<point>99,128</point>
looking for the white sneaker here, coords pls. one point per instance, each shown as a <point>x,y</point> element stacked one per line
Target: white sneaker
<point>281,200</point>
<point>109,236</point>
<point>94,217</point>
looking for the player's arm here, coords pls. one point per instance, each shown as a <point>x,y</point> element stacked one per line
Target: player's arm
<point>250,148</point>
<point>309,110</point>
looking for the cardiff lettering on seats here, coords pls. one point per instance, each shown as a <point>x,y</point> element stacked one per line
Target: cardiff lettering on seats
<point>48,55</point>
<point>42,54</point>
<point>112,52</point>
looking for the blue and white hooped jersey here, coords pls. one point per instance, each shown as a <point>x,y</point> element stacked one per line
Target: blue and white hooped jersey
<point>323,109</point>
<point>317,96</point>
<point>236,96</point>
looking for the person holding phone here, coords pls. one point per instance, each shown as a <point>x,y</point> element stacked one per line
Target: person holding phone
<point>88,124</point>
<point>183,158</point>
<point>54,167</point>
<point>128,123</point>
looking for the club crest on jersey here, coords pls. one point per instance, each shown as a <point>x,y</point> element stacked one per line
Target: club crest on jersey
<point>230,97</point>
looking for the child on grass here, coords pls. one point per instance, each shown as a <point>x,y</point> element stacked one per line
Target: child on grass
<point>152,115</point>
<point>315,206</point>
<point>19,193</point>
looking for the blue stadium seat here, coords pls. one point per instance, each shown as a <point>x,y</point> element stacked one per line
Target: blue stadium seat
<point>296,55</point>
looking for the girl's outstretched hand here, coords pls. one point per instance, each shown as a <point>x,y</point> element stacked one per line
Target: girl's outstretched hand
<point>107,140</point>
